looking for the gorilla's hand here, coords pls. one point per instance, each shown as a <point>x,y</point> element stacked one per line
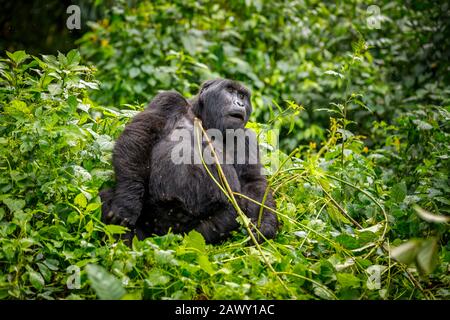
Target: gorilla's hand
<point>112,212</point>
<point>116,215</point>
<point>265,231</point>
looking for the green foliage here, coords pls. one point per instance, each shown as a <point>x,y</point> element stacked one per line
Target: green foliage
<point>55,151</point>
<point>362,189</point>
<point>56,145</point>
<point>281,49</point>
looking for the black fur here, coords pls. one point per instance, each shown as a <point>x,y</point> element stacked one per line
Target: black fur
<point>153,195</point>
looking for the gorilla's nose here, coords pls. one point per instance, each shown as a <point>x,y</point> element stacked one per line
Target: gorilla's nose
<point>239,103</point>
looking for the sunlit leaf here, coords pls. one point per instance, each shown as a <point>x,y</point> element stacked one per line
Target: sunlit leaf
<point>18,57</point>
<point>106,286</point>
<point>80,200</point>
<point>195,240</point>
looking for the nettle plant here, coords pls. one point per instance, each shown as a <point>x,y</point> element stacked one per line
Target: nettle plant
<point>54,155</point>
<point>338,205</point>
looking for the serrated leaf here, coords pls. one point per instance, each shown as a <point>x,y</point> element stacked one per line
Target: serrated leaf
<point>73,57</point>
<point>18,57</point>
<point>106,286</point>
<point>195,240</point>
<point>115,229</point>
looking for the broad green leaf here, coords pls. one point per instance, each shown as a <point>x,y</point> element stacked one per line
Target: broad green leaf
<point>398,192</point>
<point>62,58</point>
<point>72,102</point>
<point>52,264</point>
<point>136,295</point>
<point>164,256</point>
<point>323,293</point>
<point>17,108</point>
<point>73,57</point>
<point>3,294</point>
<point>18,57</point>
<point>36,279</point>
<point>366,237</point>
<point>45,271</point>
<point>14,204</point>
<point>106,286</point>
<point>89,227</point>
<point>9,250</point>
<point>195,240</point>
<point>348,280</point>
<point>134,72</point>
<point>80,200</point>
<point>115,229</point>
<point>205,264</point>
<point>156,278</point>
<point>347,241</point>
<point>92,207</point>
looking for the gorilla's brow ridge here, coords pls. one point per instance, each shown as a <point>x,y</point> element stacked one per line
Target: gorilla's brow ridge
<point>238,87</point>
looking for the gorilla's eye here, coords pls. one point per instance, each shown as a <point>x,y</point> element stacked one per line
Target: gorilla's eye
<point>230,89</point>
<point>241,96</point>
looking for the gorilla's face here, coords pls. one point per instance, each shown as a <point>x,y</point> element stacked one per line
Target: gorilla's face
<point>224,104</point>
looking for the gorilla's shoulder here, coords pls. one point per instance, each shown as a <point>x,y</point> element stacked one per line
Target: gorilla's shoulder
<point>168,102</point>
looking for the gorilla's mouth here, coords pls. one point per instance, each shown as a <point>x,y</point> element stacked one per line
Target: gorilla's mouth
<point>237,115</point>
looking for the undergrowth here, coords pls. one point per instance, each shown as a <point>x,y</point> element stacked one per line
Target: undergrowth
<point>347,211</point>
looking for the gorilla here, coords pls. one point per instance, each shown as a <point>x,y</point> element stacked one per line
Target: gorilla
<point>154,195</point>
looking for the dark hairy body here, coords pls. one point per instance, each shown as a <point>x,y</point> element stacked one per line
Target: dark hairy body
<point>153,195</point>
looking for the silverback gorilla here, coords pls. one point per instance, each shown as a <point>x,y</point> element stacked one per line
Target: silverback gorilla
<point>153,195</point>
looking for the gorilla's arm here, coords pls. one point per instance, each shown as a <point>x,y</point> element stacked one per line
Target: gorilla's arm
<point>253,185</point>
<point>218,226</point>
<point>132,154</point>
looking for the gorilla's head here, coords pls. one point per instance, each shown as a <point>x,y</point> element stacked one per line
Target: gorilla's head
<point>223,104</point>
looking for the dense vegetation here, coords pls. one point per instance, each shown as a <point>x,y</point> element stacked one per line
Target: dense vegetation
<point>362,185</point>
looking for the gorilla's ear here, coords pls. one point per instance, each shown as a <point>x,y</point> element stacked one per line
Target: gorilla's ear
<point>197,104</point>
